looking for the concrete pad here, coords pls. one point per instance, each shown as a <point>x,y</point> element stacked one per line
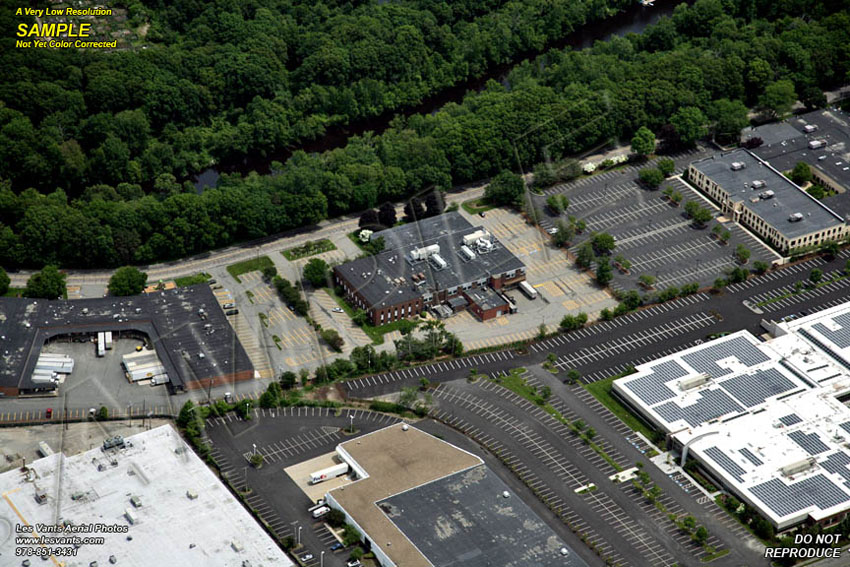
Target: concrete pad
<point>300,475</point>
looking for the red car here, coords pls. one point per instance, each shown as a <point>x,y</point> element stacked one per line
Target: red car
<point>49,413</point>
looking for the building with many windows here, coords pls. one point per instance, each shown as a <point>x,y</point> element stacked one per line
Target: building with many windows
<point>751,192</point>
<point>440,261</point>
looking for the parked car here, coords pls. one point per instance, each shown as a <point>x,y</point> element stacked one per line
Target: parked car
<point>48,413</point>
<point>354,563</point>
<point>212,282</point>
<point>228,305</point>
<point>336,546</point>
<point>553,230</point>
<point>307,557</point>
<point>232,312</point>
<point>337,309</point>
<point>481,214</point>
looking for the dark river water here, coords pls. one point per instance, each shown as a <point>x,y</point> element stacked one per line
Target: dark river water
<point>631,20</point>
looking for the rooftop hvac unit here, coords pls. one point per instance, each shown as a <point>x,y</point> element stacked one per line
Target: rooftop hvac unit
<point>477,235</point>
<point>809,128</point>
<point>798,467</point>
<point>795,217</point>
<point>815,144</point>
<point>424,253</point>
<point>691,383</point>
<point>483,246</point>
<point>467,252</point>
<point>439,263</point>
<point>758,184</point>
<point>767,194</point>
<point>736,165</point>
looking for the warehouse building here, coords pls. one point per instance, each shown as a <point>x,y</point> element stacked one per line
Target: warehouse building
<point>436,262</point>
<point>753,193</point>
<point>420,501</point>
<point>149,496</point>
<point>820,139</point>
<point>765,420</point>
<point>194,342</point>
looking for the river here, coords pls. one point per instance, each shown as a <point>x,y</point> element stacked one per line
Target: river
<point>631,20</point>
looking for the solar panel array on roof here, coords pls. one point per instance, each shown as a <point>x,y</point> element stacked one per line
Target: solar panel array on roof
<point>752,389</point>
<point>705,360</point>
<point>711,404</point>
<point>651,388</point>
<point>810,442</point>
<point>751,457</point>
<point>816,491</point>
<point>840,337</point>
<point>725,462</point>
<point>837,463</point>
<point>845,426</point>
<point>826,350</point>
<point>790,419</point>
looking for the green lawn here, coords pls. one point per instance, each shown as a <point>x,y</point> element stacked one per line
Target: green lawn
<point>251,265</point>
<point>308,249</point>
<point>373,332</point>
<point>192,280</point>
<point>601,390</point>
<point>475,206</point>
<point>14,292</point>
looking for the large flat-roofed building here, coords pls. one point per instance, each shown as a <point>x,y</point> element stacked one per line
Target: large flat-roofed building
<point>765,420</point>
<point>820,139</point>
<point>158,503</point>
<point>186,326</point>
<point>428,263</point>
<point>753,193</point>
<point>420,501</point>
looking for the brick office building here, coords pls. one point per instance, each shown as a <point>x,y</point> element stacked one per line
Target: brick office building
<point>430,263</point>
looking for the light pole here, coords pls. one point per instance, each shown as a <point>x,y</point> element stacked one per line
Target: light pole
<point>129,415</point>
<point>351,417</point>
<point>245,489</point>
<point>322,559</point>
<point>255,448</point>
<point>299,535</point>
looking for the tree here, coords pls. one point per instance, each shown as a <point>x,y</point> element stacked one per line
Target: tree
<point>564,235</point>
<point>585,255</point>
<point>830,248</point>
<point>434,203</point>
<point>49,283</point>
<point>666,166</point>
<point>742,253</point>
<point>505,189</point>
<point>573,376</point>
<point>4,282</point>
<point>332,338</point>
<point>356,554</point>
<point>760,267</point>
<point>728,118</point>
<point>719,284</point>
<point>414,210</point>
<point>701,535</point>
<point>603,243</point>
<point>127,281</point>
<point>813,98</point>
<point>102,413</point>
<point>753,143</point>
<point>269,272</point>
<point>778,98</point>
<point>387,215</point>
<point>335,518</point>
<point>288,380</point>
<point>647,280</point>
<point>651,177</point>
<point>690,124</point>
<point>557,203</point>
<point>316,272</point>
<point>604,273</point>
<point>369,219</point>
<point>801,174</point>
<point>643,142</point>
<point>816,275</point>
<point>256,460</point>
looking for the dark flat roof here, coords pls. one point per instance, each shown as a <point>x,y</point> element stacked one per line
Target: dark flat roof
<point>788,199</point>
<point>377,277</point>
<point>169,318</point>
<point>787,142</point>
<point>486,298</point>
<point>464,519</point>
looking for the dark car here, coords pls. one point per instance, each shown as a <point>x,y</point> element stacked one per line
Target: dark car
<point>232,312</point>
<point>481,214</point>
<point>336,546</point>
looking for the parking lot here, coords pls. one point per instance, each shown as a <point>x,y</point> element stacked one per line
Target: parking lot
<point>562,288</point>
<point>284,437</point>
<point>651,233</point>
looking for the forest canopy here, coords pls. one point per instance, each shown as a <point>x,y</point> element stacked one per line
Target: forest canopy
<point>90,165</point>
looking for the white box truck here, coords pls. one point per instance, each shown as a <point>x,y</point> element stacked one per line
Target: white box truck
<point>101,344</point>
<point>328,473</point>
<point>527,290</point>
<point>108,340</point>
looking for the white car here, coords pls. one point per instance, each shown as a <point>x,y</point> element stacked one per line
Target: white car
<point>307,557</point>
<point>354,563</point>
<point>337,309</point>
<point>553,230</point>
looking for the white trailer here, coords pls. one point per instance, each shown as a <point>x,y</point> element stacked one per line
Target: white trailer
<point>53,366</point>
<point>329,473</point>
<point>526,289</point>
<point>108,340</point>
<point>101,344</point>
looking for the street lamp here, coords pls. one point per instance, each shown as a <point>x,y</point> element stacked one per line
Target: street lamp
<point>255,448</point>
<point>299,535</point>
<point>351,417</point>
<point>322,559</point>
<point>129,415</point>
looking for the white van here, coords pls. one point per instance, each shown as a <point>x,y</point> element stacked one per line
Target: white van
<point>319,512</point>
